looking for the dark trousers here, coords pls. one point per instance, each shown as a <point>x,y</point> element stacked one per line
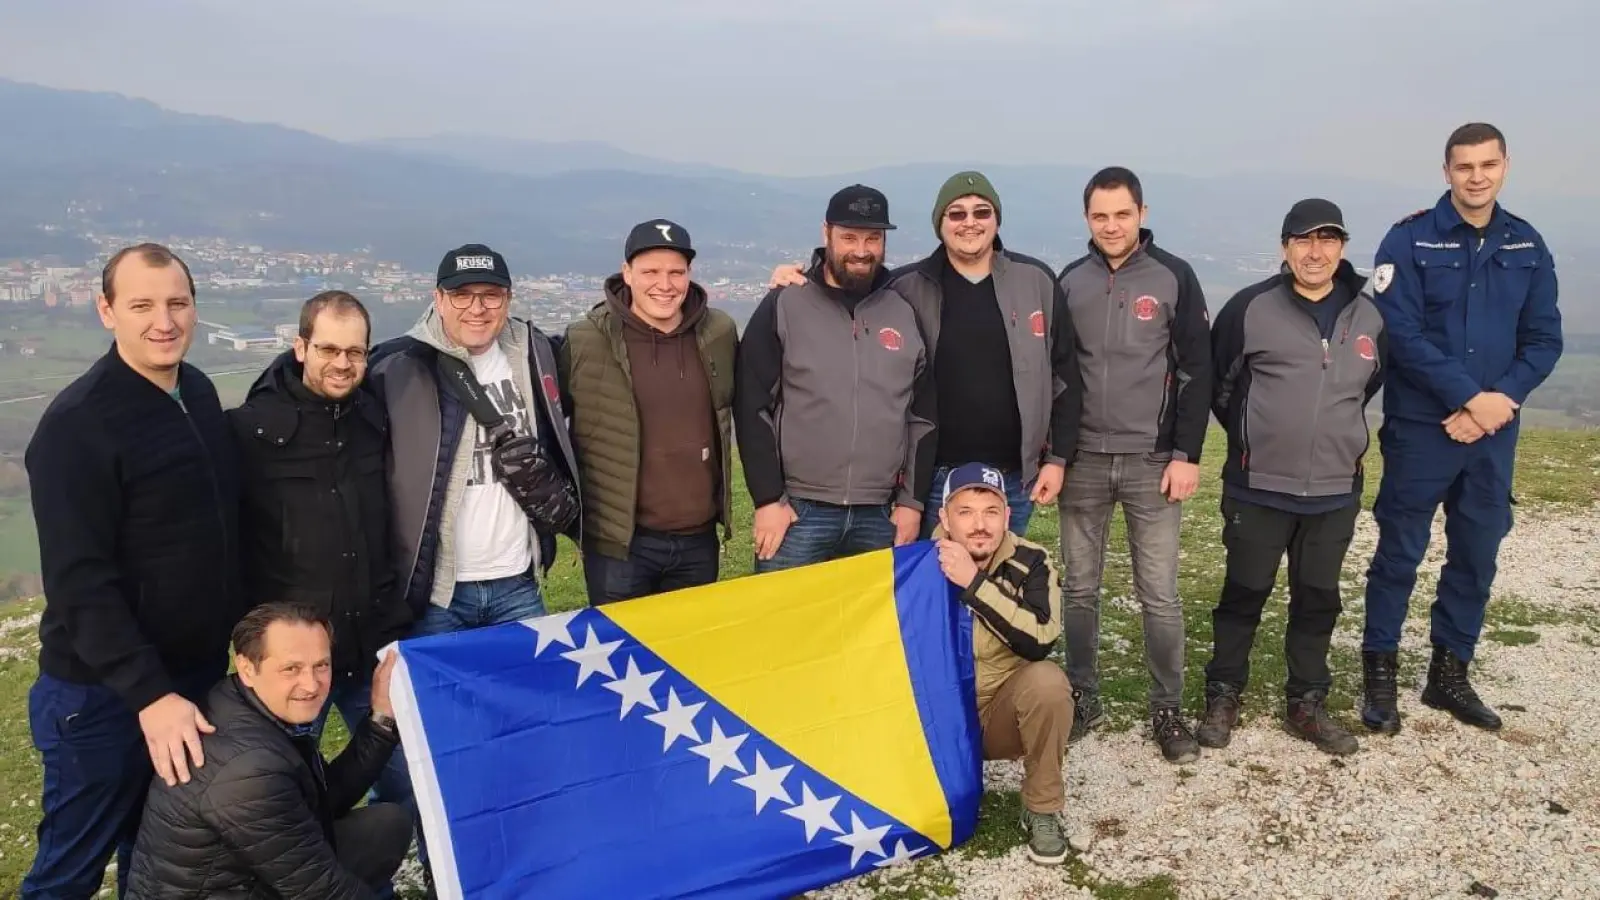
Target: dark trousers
<point>97,773</point>
<point>1423,467</point>
<point>829,531</point>
<point>657,562</point>
<point>371,842</point>
<point>1256,538</point>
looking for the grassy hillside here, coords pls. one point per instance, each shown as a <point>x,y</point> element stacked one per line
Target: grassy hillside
<point>1557,469</point>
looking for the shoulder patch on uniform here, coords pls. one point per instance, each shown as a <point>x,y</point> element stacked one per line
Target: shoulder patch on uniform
<point>1381,276</point>
<point>1408,217</point>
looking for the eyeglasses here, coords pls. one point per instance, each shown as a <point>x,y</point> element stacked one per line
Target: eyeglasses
<point>329,353</point>
<point>960,215</point>
<point>490,299</point>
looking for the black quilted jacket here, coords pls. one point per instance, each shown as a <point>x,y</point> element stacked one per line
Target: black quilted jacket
<point>256,821</point>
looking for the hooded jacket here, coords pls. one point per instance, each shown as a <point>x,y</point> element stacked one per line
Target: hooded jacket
<point>1294,404</point>
<point>256,821</point>
<point>1145,352</point>
<point>314,521</point>
<point>1039,329</point>
<point>429,461</point>
<point>835,398</point>
<point>609,429</point>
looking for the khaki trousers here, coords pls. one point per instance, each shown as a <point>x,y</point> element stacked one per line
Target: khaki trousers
<point>1029,717</point>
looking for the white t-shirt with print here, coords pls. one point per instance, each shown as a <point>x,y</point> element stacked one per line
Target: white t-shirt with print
<point>493,537</point>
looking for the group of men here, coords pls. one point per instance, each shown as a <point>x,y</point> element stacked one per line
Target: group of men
<point>364,494</point>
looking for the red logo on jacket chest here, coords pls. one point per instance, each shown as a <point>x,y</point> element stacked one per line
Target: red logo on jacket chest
<point>1036,322</point>
<point>890,339</point>
<point>1366,348</point>
<point>1144,308</point>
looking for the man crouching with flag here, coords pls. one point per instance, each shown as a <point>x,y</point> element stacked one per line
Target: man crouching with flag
<point>1024,701</point>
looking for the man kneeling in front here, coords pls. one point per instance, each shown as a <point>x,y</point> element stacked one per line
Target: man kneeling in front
<point>1024,701</point>
<point>265,816</point>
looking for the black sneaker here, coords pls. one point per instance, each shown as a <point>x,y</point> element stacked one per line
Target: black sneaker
<point>1087,715</point>
<point>1172,733</point>
<point>1222,714</point>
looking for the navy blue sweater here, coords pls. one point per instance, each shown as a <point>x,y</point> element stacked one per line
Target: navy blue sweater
<point>136,500</point>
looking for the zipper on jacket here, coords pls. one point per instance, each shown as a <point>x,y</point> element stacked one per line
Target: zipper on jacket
<point>1105,365</point>
<point>216,495</point>
<point>1316,417</point>
<point>855,402</point>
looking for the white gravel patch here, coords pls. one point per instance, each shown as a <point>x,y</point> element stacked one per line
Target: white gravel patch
<point>1425,814</point>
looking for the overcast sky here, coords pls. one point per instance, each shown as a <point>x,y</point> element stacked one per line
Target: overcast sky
<point>1356,87</point>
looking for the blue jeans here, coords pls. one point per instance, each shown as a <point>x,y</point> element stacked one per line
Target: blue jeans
<point>657,562</point>
<point>353,697</point>
<point>1422,468</point>
<point>477,604</point>
<point>97,774</point>
<point>827,531</point>
<point>1016,499</point>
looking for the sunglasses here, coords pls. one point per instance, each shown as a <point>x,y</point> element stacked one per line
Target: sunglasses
<point>960,215</point>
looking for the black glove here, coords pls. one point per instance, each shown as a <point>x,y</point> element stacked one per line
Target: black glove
<point>544,493</point>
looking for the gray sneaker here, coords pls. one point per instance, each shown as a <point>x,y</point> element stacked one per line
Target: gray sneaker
<point>1087,714</point>
<point>1047,840</point>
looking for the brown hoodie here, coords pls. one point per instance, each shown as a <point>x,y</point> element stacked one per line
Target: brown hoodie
<point>679,461</point>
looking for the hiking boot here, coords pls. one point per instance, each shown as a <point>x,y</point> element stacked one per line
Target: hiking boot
<point>1172,733</point>
<point>1047,840</point>
<point>1222,713</point>
<point>1087,715</point>
<point>1380,710</point>
<point>1307,718</point>
<point>1448,689</point>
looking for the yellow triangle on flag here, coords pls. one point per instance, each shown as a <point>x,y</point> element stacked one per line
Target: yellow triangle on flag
<point>813,659</point>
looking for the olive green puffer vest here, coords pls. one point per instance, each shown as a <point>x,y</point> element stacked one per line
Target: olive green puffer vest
<point>605,422</point>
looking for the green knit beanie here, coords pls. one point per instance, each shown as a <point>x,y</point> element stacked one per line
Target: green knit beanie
<point>963,184</point>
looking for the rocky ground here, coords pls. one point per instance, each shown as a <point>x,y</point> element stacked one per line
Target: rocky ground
<point>1441,810</point>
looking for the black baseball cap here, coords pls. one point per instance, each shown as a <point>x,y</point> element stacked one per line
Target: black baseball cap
<point>473,264</point>
<point>658,234</point>
<point>1311,215</point>
<point>859,206</point>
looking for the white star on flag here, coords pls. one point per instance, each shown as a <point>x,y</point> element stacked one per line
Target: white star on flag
<point>552,630</point>
<point>861,840</point>
<point>677,720</point>
<point>593,657</point>
<point>722,752</point>
<point>817,814</point>
<point>901,856</point>
<point>634,688</point>
<point>767,783</point>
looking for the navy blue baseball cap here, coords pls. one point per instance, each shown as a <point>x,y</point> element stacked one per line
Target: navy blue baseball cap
<point>973,475</point>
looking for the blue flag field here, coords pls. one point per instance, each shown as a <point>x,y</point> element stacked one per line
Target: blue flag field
<point>755,738</point>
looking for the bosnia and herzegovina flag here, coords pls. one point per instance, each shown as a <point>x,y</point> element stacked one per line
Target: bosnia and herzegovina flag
<point>759,737</point>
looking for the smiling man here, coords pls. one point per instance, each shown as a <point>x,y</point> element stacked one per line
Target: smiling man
<point>315,518</point>
<point>1298,357</point>
<point>648,376</point>
<point>475,507</point>
<point>1469,294</point>
<point>268,816</point>
<point>135,494</point>
<point>1144,351</point>
<point>834,403</point>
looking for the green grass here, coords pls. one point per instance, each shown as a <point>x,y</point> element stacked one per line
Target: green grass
<point>1556,469</point>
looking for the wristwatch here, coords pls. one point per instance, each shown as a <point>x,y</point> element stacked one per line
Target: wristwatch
<point>383,721</point>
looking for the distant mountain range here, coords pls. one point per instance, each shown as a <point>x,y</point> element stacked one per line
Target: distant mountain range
<point>78,161</point>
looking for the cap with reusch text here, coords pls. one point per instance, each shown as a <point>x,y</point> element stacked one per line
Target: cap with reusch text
<point>1313,214</point>
<point>658,234</point>
<point>473,264</point>
<point>859,206</point>
<point>973,475</point>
